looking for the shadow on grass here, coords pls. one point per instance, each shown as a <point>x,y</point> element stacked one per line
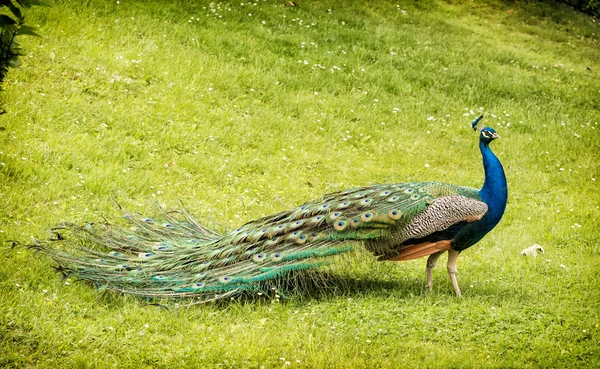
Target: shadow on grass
<point>327,287</point>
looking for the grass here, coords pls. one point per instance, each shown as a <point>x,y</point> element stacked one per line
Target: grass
<point>244,109</point>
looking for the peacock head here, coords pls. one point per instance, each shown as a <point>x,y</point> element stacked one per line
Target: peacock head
<point>486,134</point>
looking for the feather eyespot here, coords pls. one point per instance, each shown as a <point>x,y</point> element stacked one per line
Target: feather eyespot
<point>415,197</point>
<point>340,225</point>
<point>259,257</point>
<point>334,215</point>
<point>393,199</point>
<point>395,214</point>
<point>367,217</point>
<point>225,279</point>
<point>277,257</point>
<point>365,202</point>
<point>198,285</point>
<point>302,239</point>
<point>148,220</point>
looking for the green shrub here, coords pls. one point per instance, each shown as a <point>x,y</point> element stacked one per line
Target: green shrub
<point>591,7</point>
<point>10,28</point>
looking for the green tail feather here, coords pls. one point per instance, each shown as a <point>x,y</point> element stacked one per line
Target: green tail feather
<point>176,256</point>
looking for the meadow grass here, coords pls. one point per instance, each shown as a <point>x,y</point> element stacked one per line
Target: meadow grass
<point>238,110</point>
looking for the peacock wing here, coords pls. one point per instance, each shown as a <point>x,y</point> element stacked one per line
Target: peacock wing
<point>435,227</point>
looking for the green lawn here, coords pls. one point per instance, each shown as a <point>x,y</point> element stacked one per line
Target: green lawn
<point>238,110</point>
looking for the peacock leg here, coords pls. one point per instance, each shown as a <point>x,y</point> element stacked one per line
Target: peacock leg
<point>452,259</point>
<point>431,261</point>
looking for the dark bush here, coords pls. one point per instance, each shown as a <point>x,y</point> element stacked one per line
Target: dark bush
<point>10,28</point>
<point>591,7</point>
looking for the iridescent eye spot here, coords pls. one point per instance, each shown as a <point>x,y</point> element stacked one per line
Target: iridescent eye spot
<point>168,225</point>
<point>339,225</point>
<point>324,206</point>
<point>395,214</point>
<point>225,279</point>
<point>277,257</point>
<point>198,285</point>
<point>148,220</point>
<point>259,257</point>
<point>409,190</point>
<point>319,217</point>
<point>393,198</point>
<point>301,240</point>
<point>415,197</point>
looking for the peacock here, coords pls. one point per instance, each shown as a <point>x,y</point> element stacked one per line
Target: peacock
<point>179,257</point>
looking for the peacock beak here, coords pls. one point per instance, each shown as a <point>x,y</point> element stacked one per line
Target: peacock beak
<point>495,135</point>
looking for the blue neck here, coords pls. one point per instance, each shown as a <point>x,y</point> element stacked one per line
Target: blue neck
<point>494,191</point>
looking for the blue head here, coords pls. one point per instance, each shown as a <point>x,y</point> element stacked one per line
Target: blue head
<point>486,134</point>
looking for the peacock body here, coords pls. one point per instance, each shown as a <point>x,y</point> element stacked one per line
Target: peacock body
<point>174,257</point>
